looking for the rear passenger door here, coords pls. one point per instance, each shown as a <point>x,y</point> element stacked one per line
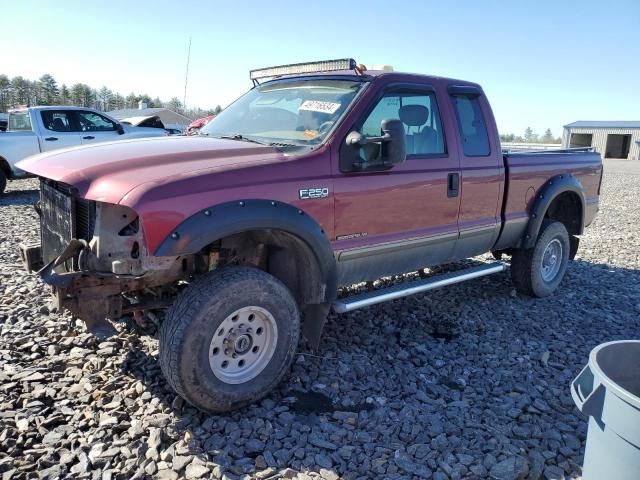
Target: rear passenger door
<point>481,171</point>
<point>403,218</point>
<point>60,129</point>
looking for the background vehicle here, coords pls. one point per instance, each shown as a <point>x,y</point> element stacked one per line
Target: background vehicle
<point>309,181</point>
<point>3,121</point>
<point>195,126</point>
<point>40,129</point>
<point>151,121</point>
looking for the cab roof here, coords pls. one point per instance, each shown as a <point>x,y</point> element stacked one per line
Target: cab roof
<point>370,75</point>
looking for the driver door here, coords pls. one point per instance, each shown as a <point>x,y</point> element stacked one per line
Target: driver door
<point>404,218</point>
<point>96,128</point>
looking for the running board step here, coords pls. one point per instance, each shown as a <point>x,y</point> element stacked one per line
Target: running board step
<point>347,304</point>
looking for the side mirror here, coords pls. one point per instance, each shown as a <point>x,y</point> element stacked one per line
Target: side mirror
<point>119,129</point>
<point>393,147</point>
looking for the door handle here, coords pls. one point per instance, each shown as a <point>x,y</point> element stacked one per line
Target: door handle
<point>453,185</point>
<point>88,137</point>
<point>51,139</point>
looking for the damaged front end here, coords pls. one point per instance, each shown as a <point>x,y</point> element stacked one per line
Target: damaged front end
<point>92,254</point>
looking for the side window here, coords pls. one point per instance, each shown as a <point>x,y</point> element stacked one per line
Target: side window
<point>418,111</point>
<point>92,122</point>
<point>473,129</point>
<point>58,120</point>
<point>19,121</point>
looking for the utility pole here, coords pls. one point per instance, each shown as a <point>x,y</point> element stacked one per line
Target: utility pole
<point>186,77</point>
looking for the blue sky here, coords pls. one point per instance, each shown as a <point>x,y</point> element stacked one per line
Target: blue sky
<point>542,64</point>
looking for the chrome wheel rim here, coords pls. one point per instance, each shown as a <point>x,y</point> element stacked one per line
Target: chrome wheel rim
<point>243,344</point>
<point>551,260</point>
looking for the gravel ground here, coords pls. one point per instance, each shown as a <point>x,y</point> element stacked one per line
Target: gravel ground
<point>466,382</point>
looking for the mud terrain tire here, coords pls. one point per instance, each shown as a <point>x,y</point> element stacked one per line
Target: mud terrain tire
<point>226,316</point>
<point>538,271</point>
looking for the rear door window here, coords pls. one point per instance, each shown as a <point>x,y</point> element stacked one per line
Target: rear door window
<point>58,120</point>
<point>473,128</point>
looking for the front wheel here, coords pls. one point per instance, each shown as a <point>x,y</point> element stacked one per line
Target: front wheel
<point>229,338</point>
<point>3,182</point>
<point>538,271</point>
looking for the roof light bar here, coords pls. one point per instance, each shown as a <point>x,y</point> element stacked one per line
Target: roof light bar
<point>308,67</point>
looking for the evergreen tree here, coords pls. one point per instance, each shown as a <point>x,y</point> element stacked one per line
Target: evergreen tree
<point>20,90</point>
<point>174,104</point>
<point>45,91</point>
<point>118,102</point>
<point>528,135</point>
<point>5,93</point>
<point>48,90</point>
<point>104,96</point>
<point>131,101</point>
<point>64,95</point>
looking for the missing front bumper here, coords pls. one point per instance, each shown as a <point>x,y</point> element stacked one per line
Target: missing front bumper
<point>92,298</point>
<point>98,298</point>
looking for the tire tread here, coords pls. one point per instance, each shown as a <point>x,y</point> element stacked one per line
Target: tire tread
<point>187,305</point>
<point>522,260</point>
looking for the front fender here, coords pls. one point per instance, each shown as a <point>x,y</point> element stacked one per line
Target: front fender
<point>547,194</point>
<point>219,221</point>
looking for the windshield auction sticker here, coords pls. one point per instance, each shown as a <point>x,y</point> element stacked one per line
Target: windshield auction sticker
<point>317,106</point>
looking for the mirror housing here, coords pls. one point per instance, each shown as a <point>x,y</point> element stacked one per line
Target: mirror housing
<point>119,129</point>
<point>392,142</point>
<point>394,149</point>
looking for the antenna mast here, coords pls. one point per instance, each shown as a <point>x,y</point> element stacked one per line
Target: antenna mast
<point>186,77</point>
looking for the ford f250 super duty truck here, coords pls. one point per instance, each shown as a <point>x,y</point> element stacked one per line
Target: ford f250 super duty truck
<point>41,129</point>
<point>324,176</point>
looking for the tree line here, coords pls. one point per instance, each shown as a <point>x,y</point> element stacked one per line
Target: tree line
<point>19,91</point>
<point>530,137</point>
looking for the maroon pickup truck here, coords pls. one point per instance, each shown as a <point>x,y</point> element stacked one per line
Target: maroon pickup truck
<point>323,176</point>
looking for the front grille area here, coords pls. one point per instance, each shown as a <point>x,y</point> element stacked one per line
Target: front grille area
<point>85,218</point>
<point>63,217</point>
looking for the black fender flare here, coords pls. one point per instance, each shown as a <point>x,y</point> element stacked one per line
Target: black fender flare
<point>222,220</point>
<point>546,195</point>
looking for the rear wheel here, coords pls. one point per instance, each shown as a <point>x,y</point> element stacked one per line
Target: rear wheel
<point>229,338</point>
<point>539,270</point>
<point>3,182</point>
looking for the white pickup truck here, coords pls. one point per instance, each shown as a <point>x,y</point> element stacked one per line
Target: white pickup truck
<point>40,129</point>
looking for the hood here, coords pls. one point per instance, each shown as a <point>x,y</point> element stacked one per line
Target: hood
<point>106,172</point>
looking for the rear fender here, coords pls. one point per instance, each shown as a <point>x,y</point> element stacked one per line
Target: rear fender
<point>546,195</point>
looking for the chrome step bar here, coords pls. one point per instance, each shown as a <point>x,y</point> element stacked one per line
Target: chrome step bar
<point>347,304</point>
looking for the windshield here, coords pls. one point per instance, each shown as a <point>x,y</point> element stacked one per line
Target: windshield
<point>300,112</point>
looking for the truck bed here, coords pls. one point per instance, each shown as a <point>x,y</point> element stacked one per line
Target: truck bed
<point>526,172</point>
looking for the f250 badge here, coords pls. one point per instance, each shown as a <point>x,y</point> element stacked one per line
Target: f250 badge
<point>308,193</point>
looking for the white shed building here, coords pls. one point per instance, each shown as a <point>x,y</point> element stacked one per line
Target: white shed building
<point>613,139</point>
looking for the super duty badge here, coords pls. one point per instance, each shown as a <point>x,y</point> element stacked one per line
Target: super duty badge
<point>307,193</point>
